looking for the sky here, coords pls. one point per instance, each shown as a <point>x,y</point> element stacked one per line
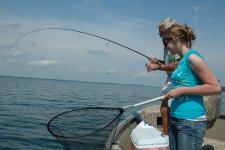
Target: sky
<point>68,55</point>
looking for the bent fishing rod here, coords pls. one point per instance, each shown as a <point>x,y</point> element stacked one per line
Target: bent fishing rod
<point>73,30</point>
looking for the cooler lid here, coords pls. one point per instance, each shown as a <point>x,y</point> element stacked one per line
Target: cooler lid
<point>146,136</point>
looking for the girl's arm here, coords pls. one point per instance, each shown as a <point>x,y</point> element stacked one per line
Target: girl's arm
<point>210,83</point>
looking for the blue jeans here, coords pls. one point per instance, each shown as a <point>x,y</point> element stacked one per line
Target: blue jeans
<point>186,134</point>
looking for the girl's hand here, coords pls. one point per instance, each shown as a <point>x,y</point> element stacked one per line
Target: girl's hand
<point>175,93</point>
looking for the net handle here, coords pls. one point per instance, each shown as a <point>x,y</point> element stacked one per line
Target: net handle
<point>126,108</point>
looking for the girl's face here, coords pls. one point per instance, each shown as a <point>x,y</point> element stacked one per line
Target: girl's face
<point>171,45</point>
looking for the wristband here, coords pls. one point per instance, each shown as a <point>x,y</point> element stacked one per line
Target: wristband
<point>159,66</point>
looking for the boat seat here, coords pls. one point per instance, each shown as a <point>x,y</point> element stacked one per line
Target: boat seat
<point>153,115</point>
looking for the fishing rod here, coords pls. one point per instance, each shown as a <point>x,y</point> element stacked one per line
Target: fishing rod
<point>73,30</point>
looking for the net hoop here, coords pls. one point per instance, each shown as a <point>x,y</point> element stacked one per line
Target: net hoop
<point>57,135</point>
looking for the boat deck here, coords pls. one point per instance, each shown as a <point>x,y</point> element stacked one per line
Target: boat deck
<point>209,142</point>
<point>214,138</point>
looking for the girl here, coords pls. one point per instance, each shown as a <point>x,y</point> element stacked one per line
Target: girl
<point>191,80</point>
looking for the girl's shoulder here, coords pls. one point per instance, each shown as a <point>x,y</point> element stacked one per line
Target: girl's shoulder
<point>192,51</point>
<point>192,55</point>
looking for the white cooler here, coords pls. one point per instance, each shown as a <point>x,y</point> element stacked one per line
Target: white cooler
<point>147,137</point>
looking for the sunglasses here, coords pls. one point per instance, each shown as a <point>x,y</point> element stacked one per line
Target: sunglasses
<point>166,41</point>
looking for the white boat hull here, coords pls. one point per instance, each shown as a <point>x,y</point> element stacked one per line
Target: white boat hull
<point>215,136</point>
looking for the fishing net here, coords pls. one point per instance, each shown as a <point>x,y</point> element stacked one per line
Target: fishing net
<point>86,128</point>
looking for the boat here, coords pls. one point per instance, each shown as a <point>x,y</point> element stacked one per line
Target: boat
<point>142,131</point>
<point>214,138</point>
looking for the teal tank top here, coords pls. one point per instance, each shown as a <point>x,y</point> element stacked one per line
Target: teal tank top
<point>186,106</point>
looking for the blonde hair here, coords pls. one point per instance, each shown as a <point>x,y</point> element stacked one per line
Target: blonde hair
<point>183,33</point>
<point>166,23</point>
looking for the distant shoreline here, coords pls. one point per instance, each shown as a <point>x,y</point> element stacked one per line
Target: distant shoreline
<point>223,88</point>
<point>77,81</point>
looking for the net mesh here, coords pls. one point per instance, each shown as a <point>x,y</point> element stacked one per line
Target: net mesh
<point>86,128</point>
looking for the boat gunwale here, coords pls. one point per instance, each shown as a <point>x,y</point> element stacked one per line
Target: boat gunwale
<point>122,127</point>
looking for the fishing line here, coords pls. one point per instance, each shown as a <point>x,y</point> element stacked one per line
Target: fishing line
<point>72,30</point>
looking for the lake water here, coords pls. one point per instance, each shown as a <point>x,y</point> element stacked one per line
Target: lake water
<point>27,104</point>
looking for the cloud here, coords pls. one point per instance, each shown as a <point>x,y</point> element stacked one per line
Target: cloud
<point>97,52</point>
<point>197,8</point>
<point>83,68</point>
<point>45,48</point>
<point>15,25</point>
<point>16,53</point>
<point>11,61</point>
<point>40,63</point>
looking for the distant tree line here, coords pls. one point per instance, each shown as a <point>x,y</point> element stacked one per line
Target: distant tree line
<point>223,88</point>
